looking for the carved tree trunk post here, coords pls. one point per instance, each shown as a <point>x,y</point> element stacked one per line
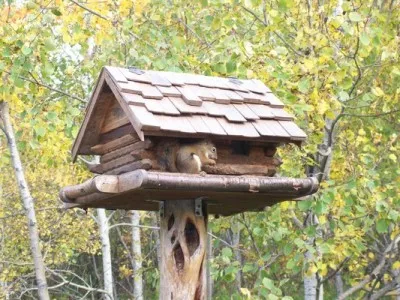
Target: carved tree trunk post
<point>183,252</point>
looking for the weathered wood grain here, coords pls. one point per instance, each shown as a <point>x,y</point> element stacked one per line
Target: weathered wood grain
<point>144,119</point>
<point>189,96</point>
<point>114,118</point>
<point>239,169</point>
<point>115,144</point>
<point>170,91</point>
<point>144,164</point>
<point>113,164</point>
<point>116,73</point>
<point>136,77</point>
<point>158,79</point>
<point>116,133</point>
<point>185,108</point>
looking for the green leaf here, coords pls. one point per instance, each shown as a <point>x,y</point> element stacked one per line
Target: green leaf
<point>178,41</point>
<point>355,17</point>
<point>382,226</point>
<point>204,3</point>
<point>364,39</point>
<point>304,85</point>
<point>56,12</point>
<point>49,44</point>
<point>268,283</point>
<point>26,50</point>
<point>304,205</point>
<point>51,116</point>
<point>40,131</point>
<point>227,252</point>
<point>231,66</point>
<point>288,248</point>
<point>343,96</point>
<point>248,268</point>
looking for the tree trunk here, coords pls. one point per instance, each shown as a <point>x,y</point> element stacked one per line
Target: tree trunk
<point>238,256</point>
<point>339,283</point>
<point>183,252</point>
<point>156,236</point>
<point>106,252</point>
<point>310,281</point>
<point>137,256</point>
<point>28,204</point>
<point>209,258</point>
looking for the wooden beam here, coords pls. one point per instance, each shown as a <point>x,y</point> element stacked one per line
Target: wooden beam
<point>115,144</point>
<point>101,184</point>
<point>236,169</point>
<point>144,164</point>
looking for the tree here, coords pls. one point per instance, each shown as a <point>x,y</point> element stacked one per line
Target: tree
<point>336,71</point>
<point>28,203</point>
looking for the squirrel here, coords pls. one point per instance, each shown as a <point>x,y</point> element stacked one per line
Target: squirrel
<point>186,158</point>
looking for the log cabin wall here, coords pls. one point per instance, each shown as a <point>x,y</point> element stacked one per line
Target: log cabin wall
<point>121,151</point>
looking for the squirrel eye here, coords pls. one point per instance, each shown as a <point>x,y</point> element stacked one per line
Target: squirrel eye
<point>214,149</point>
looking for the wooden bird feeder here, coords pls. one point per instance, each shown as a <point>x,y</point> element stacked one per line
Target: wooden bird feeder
<point>132,112</point>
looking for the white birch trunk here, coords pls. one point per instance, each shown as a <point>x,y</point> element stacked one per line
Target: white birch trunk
<point>137,256</point>
<point>106,252</point>
<point>28,204</point>
<point>238,255</point>
<point>210,284</point>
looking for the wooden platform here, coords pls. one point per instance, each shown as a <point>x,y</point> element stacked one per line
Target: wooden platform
<point>224,195</point>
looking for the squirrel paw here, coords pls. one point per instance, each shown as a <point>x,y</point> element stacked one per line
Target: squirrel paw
<point>202,173</point>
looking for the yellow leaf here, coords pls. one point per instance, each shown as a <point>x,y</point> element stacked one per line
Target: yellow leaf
<point>396,265</point>
<point>245,292</point>
<point>361,132</point>
<point>377,91</point>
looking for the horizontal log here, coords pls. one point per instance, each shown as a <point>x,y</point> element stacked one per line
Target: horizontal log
<point>116,153</point>
<point>115,144</point>
<point>256,157</point>
<point>238,169</point>
<point>116,133</point>
<point>138,146</point>
<point>113,164</point>
<point>144,164</point>
<point>115,124</point>
<point>103,184</point>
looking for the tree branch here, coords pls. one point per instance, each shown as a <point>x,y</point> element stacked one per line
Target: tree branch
<point>336,271</point>
<point>372,115</point>
<point>49,87</point>
<point>89,10</point>
<point>274,32</point>
<point>367,279</point>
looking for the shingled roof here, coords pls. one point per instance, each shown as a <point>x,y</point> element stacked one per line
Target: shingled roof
<point>187,105</point>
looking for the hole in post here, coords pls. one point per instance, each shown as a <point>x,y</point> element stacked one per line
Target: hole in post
<point>173,237</point>
<point>179,258</point>
<point>191,236</point>
<point>171,221</point>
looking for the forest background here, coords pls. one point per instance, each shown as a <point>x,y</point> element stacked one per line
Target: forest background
<point>335,64</point>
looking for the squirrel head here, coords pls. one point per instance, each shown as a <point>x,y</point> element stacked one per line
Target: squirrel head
<point>211,150</point>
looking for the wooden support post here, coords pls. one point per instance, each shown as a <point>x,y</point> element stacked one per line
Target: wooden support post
<point>183,234</point>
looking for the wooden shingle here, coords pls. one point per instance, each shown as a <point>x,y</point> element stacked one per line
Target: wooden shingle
<point>184,105</point>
